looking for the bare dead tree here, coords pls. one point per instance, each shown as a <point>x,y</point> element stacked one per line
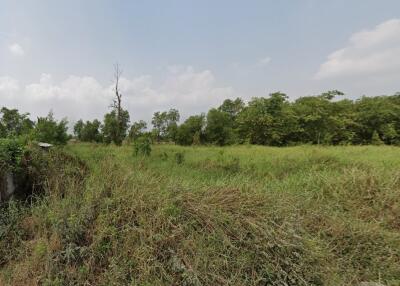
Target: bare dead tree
<point>117,101</point>
<point>118,96</point>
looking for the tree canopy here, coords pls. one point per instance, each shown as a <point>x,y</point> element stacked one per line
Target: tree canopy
<point>49,130</point>
<point>274,120</point>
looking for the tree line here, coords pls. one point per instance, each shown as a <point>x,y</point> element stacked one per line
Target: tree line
<point>274,121</point>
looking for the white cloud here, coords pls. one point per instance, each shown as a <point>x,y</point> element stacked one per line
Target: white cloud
<point>84,97</point>
<point>373,52</point>
<point>182,88</point>
<point>263,62</point>
<point>16,49</point>
<point>8,87</point>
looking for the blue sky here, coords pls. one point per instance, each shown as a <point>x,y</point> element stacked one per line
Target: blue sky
<point>192,54</point>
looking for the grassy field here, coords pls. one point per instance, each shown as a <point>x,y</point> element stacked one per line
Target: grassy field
<point>242,215</point>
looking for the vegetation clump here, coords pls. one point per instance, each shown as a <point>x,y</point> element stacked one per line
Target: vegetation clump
<point>142,146</point>
<point>10,154</point>
<point>179,158</point>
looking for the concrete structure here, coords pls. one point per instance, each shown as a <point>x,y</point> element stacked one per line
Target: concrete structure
<point>9,182</point>
<point>44,145</point>
<point>7,185</point>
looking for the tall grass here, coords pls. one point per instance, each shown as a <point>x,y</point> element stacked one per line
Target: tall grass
<point>242,215</point>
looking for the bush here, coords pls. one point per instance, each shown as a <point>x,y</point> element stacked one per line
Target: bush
<point>376,140</point>
<point>179,157</point>
<point>49,130</point>
<point>164,156</point>
<point>232,165</point>
<point>10,154</point>
<point>142,146</point>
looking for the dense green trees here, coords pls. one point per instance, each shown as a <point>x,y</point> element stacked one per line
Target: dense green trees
<point>321,119</point>
<point>47,129</point>
<point>381,115</point>
<point>165,125</point>
<point>78,129</point>
<point>274,120</point>
<point>315,120</point>
<point>137,129</point>
<point>232,107</point>
<point>219,129</point>
<point>110,131</point>
<point>268,121</point>
<point>12,123</point>
<point>191,132</point>
<point>115,127</point>
<point>89,131</point>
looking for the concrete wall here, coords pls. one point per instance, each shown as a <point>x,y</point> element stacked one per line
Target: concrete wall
<point>7,185</point>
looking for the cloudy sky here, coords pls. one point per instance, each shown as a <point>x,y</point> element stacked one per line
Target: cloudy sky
<point>191,55</point>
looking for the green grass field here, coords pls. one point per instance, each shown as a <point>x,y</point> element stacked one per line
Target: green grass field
<point>242,215</point>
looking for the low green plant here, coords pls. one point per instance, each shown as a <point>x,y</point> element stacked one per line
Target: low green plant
<point>179,158</point>
<point>375,139</point>
<point>232,165</point>
<point>142,146</point>
<point>164,156</point>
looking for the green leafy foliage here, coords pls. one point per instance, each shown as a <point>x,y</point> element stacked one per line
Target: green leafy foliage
<point>13,124</point>
<point>89,131</point>
<point>10,154</point>
<point>49,130</point>
<point>269,121</point>
<point>219,127</point>
<point>142,146</point>
<point>165,125</point>
<point>375,139</point>
<point>232,107</point>
<point>191,131</point>
<point>274,121</point>
<point>114,129</point>
<point>137,129</point>
<point>179,158</point>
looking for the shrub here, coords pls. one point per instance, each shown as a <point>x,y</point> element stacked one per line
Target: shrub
<point>196,138</point>
<point>376,140</point>
<point>232,165</point>
<point>142,146</point>
<point>10,154</point>
<point>179,157</point>
<point>49,130</point>
<point>164,156</point>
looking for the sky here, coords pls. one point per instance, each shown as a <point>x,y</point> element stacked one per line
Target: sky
<point>191,55</point>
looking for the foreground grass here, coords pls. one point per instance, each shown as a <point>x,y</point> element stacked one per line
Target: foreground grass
<point>242,215</point>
